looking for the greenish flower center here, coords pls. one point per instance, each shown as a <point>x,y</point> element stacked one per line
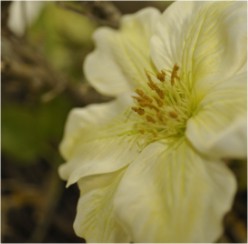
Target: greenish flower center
<point>162,105</point>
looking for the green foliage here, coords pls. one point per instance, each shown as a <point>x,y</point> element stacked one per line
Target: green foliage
<point>64,37</point>
<point>33,131</point>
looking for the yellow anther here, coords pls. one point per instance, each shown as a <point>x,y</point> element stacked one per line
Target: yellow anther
<point>159,102</point>
<point>160,106</point>
<point>174,74</point>
<point>160,93</point>
<point>150,119</point>
<point>149,77</point>
<point>142,102</point>
<point>152,85</point>
<point>160,116</point>
<point>139,111</point>
<point>151,107</point>
<point>173,114</point>
<point>139,99</point>
<point>161,75</point>
<point>140,92</point>
<point>142,95</point>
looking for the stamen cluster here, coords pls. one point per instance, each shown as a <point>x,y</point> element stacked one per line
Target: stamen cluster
<point>161,105</point>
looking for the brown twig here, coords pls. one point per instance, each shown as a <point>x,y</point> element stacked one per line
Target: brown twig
<point>26,74</point>
<point>52,196</point>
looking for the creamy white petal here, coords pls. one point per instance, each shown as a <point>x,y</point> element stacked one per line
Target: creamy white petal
<point>168,40</point>
<point>232,142</point>
<point>121,56</point>
<point>174,195</point>
<point>203,38</point>
<point>95,220</point>
<point>95,141</point>
<point>100,156</point>
<point>219,127</point>
<point>22,14</point>
<point>83,124</point>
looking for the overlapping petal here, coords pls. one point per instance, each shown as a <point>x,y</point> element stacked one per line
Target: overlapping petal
<point>100,156</point>
<point>83,124</point>
<point>174,195</point>
<point>161,192</point>
<point>95,220</point>
<point>219,126</point>
<point>121,57</point>
<point>203,38</point>
<point>93,142</point>
<point>170,34</point>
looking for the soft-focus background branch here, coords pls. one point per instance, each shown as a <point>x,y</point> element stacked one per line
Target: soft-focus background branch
<point>42,79</point>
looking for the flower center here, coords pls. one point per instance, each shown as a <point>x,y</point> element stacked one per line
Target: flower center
<point>162,105</point>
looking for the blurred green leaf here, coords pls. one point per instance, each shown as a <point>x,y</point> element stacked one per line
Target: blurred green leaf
<point>29,132</point>
<point>32,131</point>
<point>64,36</point>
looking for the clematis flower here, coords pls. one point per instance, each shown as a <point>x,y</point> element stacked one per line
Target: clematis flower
<point>149,164</point>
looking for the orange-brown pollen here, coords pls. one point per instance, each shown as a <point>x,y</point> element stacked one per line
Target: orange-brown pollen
<point>160,104</point>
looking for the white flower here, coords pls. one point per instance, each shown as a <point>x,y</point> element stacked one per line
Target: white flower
<point>149,164</point>
<point>23,14</point>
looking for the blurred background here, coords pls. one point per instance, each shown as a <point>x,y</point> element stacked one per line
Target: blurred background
<point>42,51</point>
